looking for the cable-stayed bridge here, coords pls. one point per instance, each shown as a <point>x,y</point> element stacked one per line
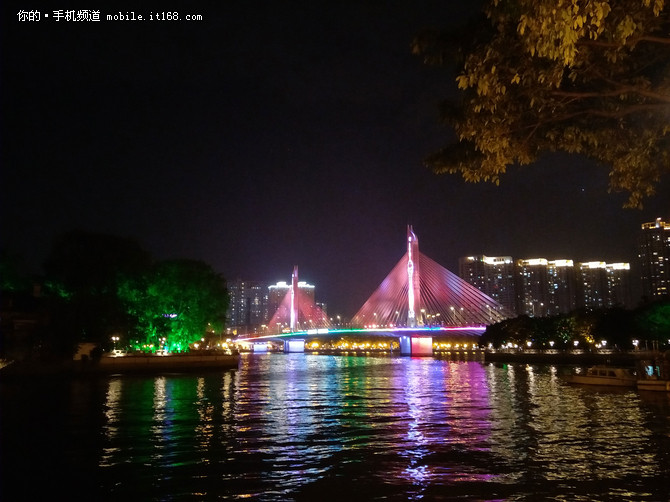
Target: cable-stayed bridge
<point>420,292</point>
<point>418,300</point>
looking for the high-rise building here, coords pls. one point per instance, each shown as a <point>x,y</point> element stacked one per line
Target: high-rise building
<point>561,284</point>
<point>248,307</point>
<point>278,291</point>
<point>592,283</point>
<point>618,285</point>
<point>654,256</point>
<point>492,275</point>
<point>603,285</point>
<point>292,306</point>
<point>532,287</point>
<point>550,287</point>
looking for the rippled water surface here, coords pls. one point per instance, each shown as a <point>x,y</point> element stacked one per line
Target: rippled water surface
<point>316,427</point>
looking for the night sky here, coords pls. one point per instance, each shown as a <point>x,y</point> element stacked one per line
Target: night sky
<point>268,135</point>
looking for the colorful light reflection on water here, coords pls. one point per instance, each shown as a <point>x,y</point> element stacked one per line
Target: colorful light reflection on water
<point>309,427</point>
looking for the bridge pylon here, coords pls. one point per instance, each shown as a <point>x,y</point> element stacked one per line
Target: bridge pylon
<point>420,294</point>
<point>416,345</point>
<point>413,279</point>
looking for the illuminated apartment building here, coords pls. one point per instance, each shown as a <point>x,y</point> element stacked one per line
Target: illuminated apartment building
<point>654,256</point>
<point>278,291</point>
<point>603,285</point>
<point>561,283</point>
<point>532,287</point>
<point>618,285</point>
<point>492,275</point>
<point>539,287</point>
<point>248,307</point>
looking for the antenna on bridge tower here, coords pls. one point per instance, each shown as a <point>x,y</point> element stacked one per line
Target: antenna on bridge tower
<point>294,292</point>
<point>413,279</point>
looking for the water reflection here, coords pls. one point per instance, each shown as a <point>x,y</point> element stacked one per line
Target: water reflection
<point>286,416</point>
<point>549,433</point>
<point>418,420</point>
<point>286,427</point>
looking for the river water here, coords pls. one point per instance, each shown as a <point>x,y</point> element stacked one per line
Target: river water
<point>317,427</point>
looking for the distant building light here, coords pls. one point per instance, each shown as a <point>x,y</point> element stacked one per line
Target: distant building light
<point>593,264</point>
<point>533,262</point>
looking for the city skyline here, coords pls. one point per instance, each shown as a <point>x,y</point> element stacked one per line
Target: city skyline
<point>267,136</point>
<point>590,284</point>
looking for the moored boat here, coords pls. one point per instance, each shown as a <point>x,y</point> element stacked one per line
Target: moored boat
<point>655,373</point>
<point>653,384</point>
<point>605,376</point>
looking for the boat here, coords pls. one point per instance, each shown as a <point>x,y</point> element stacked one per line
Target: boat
<point>653,384</point>
<point>655,373</point>
<point>605,376</point>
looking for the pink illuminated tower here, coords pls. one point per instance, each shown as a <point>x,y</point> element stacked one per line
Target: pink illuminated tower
<point>413,279</point>
<point>294,305</point>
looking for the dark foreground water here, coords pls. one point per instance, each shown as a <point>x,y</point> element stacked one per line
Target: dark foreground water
<point>310,427</point>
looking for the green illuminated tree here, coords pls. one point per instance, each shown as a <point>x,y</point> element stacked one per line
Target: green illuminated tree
<point>653,321</point>
<point>590,77</point>
<point>563,329</point>
<point>179,300</point>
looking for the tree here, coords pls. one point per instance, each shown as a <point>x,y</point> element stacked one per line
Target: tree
<point>516,330</point>
<point>83,270</point>
<point>13,274</point>
<point>653,321</point>
<point>585,77</point>
<point>176,303</point>
<point>615,325</point>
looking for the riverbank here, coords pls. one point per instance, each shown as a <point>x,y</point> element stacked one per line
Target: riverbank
<point>173,363</point>
<point>190,362</point>
<point>567,357</point>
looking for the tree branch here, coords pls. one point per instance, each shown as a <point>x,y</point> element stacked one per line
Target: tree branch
<point>554,118</point>
<point>656,40</point>
<point>622,89</point>
<point>629,42</point>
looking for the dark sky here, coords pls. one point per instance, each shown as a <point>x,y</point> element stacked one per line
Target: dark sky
<point>268,135</point>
